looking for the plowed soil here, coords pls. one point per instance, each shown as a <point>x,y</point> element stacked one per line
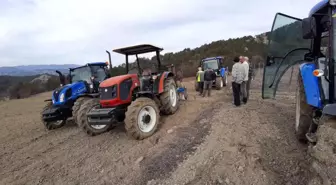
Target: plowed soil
<point>208,141</point>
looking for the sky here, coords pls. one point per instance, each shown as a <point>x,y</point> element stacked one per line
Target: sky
<point>80,31</point>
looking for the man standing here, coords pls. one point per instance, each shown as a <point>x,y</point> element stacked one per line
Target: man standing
<point>209,77</point>
<point>250,77</point>
<point>237,79</point>
<point>245,74</point>
<point>200,80</point>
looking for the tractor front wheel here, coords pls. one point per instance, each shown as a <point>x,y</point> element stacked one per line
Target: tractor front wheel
<point>219,83</point>
<point>91,130</point>
<point>169,99</point>
<point>304,112</point>
<point>52,124</point>
<point>142,118</point>
<point>225,81</point>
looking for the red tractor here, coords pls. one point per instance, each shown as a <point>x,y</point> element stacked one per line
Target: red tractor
<point>135,99</point>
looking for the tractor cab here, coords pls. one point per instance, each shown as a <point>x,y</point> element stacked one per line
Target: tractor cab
<point>91,74</point>
<point>147,72</point>
<point>303,42</point>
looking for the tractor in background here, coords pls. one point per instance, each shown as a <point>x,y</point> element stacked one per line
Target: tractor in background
<point>216,64</point>
<point>83,83</point>
<point>137,99</point>
<point>296,42</point>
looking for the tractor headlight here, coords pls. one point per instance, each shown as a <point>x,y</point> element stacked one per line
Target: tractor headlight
<point>62,97</point>
<point>91,86</point>
<point>332,2</point>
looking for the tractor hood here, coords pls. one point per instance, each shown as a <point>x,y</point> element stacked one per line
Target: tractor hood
<point>68,92</point>
<point>116,80</point>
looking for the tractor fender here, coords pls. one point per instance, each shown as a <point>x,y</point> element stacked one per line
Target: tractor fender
<point>311,85</point>
<point>163,77</point>
<point>222,72</point>
<point>93,95</point>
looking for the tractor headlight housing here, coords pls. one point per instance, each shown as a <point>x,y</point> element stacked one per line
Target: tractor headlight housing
<point>332,2</point>
<point>61,98</point>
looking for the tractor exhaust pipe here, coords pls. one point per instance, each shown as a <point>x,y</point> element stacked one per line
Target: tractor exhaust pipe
<point>110,61</point>
<point>61,77</point>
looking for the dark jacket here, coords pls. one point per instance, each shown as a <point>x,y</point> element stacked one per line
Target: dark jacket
<point>209,75</point>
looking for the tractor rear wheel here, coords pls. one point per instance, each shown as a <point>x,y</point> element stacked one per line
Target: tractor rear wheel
<point>53,124</point>
<point>142,118</point>
<point>323,153</point>
<point>219,83</point>
<point>169,99</point>
<point>77,106</point>
<point>91,130</point>
<point>304,113</point>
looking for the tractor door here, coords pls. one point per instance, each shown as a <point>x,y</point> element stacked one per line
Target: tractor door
<point>286,48</point>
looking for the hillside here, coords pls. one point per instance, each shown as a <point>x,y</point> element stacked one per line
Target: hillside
<point>17,87</point>
<point>31,70</point>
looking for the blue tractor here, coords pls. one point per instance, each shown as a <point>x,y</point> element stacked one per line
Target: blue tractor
<point>83,84</point>
<point>310,44</point>
<point>216,64</point>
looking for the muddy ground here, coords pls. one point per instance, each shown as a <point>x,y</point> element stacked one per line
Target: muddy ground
<point>208,141</point>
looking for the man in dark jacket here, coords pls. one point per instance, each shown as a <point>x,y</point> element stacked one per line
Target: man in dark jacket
<point>209,77</point>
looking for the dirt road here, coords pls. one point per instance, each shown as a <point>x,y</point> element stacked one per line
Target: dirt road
<point>208,141</point>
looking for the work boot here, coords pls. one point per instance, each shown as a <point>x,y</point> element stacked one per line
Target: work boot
<point>244,100</point>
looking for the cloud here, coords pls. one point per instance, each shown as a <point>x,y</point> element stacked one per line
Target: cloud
<point>79,31</point>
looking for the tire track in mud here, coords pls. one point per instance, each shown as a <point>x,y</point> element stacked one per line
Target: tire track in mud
<point>187,139</point>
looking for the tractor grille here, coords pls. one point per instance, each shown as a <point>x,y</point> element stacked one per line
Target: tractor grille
<point>57,92</point>
<point>107,93</point>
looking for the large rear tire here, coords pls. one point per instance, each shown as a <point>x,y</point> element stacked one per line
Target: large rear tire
<point>304,112</point>
<point>323,153</point>
<point>53,124</point>
<point>142,118</point>
<point>77,105</point>
<point>169,98</point>
<point>91,130</point>
<point>219,83</point>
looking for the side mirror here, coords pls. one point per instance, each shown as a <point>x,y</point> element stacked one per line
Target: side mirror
<point>309,28</point>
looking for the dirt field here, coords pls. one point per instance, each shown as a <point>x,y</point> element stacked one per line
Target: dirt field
<point>208,141</point>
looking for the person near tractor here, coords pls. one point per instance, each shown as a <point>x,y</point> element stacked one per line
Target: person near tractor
<point>209,77</point>
<point>179,78</point>
<point>237,79</point>
<point>245,74</point>
<point>250,77</point>
<point>200,79</point>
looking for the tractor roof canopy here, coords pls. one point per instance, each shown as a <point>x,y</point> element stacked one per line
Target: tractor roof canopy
<point>320,7</point>
<point>91,64</point>
<point>212,58</point>
<point>138,49</point>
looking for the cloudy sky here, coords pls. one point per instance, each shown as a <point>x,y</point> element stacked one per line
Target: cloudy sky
<point>79,31</point>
